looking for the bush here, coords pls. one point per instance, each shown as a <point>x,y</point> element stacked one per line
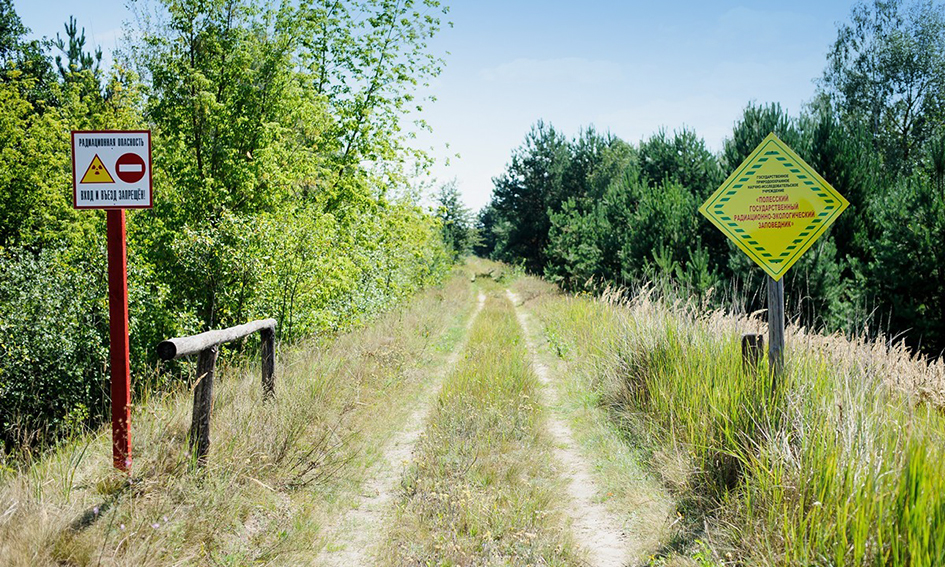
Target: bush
<point>53,343</point>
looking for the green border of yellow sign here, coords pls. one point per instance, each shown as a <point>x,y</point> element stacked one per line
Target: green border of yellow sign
<point>806,184</point>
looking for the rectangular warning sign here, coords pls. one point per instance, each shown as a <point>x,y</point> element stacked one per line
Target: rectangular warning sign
<point>111,169</point>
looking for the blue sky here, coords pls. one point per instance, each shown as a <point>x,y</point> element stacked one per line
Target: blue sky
<point>625,67</point>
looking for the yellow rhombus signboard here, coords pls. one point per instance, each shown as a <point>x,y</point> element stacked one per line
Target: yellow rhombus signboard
<point>774,206</point>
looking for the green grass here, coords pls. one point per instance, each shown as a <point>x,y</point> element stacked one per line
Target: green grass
<point>277,471</point>
<point>843,466</point>
<point>631,492</point>
<point>483,489</point>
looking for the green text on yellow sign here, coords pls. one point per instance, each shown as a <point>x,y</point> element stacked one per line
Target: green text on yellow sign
<point>774,206</point>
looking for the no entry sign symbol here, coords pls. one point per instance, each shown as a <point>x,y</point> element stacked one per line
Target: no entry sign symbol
<point>117,166</point>
<point>130,168</point>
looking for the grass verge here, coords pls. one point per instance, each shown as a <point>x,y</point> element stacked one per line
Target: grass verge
<point>843,466</point>
<point>483,488</point>
<point>276,470</point>
<point>625,483</point>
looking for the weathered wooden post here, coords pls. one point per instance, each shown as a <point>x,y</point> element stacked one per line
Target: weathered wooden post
<point>267,349</point>
<point>753,344</point>
<point>775,330</point>
<point>203,404</point>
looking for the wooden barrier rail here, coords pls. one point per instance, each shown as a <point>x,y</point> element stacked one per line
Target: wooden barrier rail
<point>207,346</point>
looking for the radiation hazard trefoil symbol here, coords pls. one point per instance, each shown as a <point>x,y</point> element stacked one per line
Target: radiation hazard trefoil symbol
<point>96,173</point>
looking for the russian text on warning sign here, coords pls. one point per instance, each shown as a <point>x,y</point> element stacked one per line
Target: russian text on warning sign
<point>110,142</point>
<point>112,195</point>
<point>774,208</point>
<point>111,169</point>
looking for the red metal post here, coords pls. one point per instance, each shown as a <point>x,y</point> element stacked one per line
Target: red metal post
<point>118,324</point>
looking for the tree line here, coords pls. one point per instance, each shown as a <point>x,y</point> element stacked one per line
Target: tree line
<point>282,181</point>
<point>594,210</point>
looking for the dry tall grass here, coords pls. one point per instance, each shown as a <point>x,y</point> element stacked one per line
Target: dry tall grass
<point>276,470</point>
<point>842,466</point>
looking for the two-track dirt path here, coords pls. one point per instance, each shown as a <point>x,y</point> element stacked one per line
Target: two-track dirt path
<point>355,537</point>
<point>598,531</point>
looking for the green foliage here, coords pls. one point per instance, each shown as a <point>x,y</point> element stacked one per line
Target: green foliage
<point>524,195</point>
<point>53,340</point>
<point>487,230</point>
<point>367,60</point>
<point>594,212</point>
<point>77,59</point>
<point>458,231</point>
<point>886,70</point>
<point>547,175</point>
<point>222,94</point>
<point>756,123</point>
<point>911,215</point>
<point>632,217</point>
<point>23,59</point>
<point>683,159</point>
<point>278,151</point>
<point>578,246</point>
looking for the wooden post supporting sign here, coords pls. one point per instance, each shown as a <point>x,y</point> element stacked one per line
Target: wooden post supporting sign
<point>118,339</point>
<point>775,330</point>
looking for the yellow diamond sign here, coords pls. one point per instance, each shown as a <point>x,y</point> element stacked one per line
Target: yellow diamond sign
<point>774,206</point>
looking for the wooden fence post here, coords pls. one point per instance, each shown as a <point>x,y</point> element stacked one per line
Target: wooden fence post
<point>203,404</point>
<point>753,344</point>
<point>775,330</point>
<point>268,354</point>
<point>207,346</point>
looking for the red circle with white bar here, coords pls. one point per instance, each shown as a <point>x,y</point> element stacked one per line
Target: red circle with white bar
<point>130,168</point>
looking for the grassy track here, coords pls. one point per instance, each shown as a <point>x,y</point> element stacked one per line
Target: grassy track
<point>633,495</point>
<point>276,471</point>
<point>697,458</point>
<point>483,488</point>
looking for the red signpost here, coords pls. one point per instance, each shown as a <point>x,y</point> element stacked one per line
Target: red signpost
<point>127,155</point>
<point>118,334</point>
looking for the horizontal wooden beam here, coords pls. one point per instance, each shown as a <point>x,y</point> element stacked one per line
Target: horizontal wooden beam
<point>183,346</point>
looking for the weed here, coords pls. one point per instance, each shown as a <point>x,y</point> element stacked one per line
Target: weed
<point>276,470</point>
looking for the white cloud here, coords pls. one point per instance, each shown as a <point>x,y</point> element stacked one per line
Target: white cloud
<point>571,70</point>
<point>710,116</point>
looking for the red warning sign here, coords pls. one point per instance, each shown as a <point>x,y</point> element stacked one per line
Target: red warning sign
<point>130,168</point>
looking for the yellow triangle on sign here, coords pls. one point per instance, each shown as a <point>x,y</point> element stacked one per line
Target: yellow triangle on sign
<point>96,173</point>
